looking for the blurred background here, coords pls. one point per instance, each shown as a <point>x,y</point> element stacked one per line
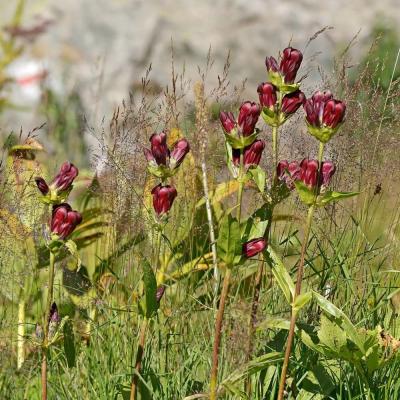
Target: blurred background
<point>97,51</point>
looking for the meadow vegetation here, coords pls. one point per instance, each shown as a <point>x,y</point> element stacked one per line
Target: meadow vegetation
<point>208,246</point>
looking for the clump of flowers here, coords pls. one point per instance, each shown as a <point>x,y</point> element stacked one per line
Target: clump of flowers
<point>58,190</point>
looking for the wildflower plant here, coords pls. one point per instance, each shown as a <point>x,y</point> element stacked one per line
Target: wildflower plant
<point>63,222</point>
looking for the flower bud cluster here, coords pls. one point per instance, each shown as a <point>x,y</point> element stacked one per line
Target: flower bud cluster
<point>163,163</point>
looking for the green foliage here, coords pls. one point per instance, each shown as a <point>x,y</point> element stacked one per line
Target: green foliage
<point>229,243</point>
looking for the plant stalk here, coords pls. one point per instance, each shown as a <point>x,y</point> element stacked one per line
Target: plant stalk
<point>145,323</point>
<point>21,334</point>
<point>260,271</point>
<point>300,273</point>
<point>139,358</point>
<point>46,326</point>
<point>217,335</point>
<point>224,294</point>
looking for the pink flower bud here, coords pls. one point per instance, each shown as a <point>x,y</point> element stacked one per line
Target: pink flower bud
<point>64,220</point>
<point>42,185</point>
<point>327,171</point>
<point>227,120</point>
<point>334,112</point>
<point>160,293</point>
<point>292,101</point>
<point>163,197</point>
<point>54,316</point>
<point>159,148</point>
<point>248,117</point>
<point>290,64</point>
<point>309,172</point>
<point>253,247</point>
<point>267,95</point>
<point>288,172</point>
<point>252,154</point>
<point>181,148</point>
<point>271,64</point>
<point>322,110</point>
<point>63,180</point>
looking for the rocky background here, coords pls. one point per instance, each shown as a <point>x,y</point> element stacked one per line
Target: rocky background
<point>105,46</point>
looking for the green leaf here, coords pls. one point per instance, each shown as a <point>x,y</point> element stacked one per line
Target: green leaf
<point>301,300</point>
<point>252,228</point>
<point>341,319</point>
<point>148,305</point>
<point>231,382</point>
<point>307,196</point>
<point>229,241</point>
<point>69,344</point>
<point>281,275</point>
<point>258,175</point>
<point>330,196</point>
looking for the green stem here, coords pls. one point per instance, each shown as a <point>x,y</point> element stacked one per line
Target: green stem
<point>240,190</point>
<point>275,150</point>
<point>217,335</point>
<point>300,273</point>
<point>145,323</point>
<point>21,334</point>
<point>225,290</point>
<point>320,153</point>
<point>139,358</point>
<point>46,326</point>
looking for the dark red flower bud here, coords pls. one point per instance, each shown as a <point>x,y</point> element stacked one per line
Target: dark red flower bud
<point>64,220</point>
<point>181,148</point>
<point>309,172</point>
<point>159,148</point>
<point>323,110</point>
<point>227,120</point>
<point>290,63</point>
<point>253,247</point>
<point>63,180</point>
<point>149,155</point>
<point>248,117</point>
<point>42,185</point>
<point>267,94</point>
<point>334,111</point>
<point>288,172</point>
<point>160,293</point>
<point>327,171</point>
<point>54,316</point>
<point>252,154</point>
<point>163,197</point>
<point>292,101</point>
<point>271,64</point>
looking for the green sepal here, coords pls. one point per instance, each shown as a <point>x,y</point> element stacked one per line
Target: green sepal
<point>55,243</point>
<point>307,195</point>
<point>229,241</point>
<point>160,171</point>
<point>279,81</point>
<point>55,197</point>
<point>240,142</point>
<point>323,133</point>
<point>330,196</point>
<point>148,305</point>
